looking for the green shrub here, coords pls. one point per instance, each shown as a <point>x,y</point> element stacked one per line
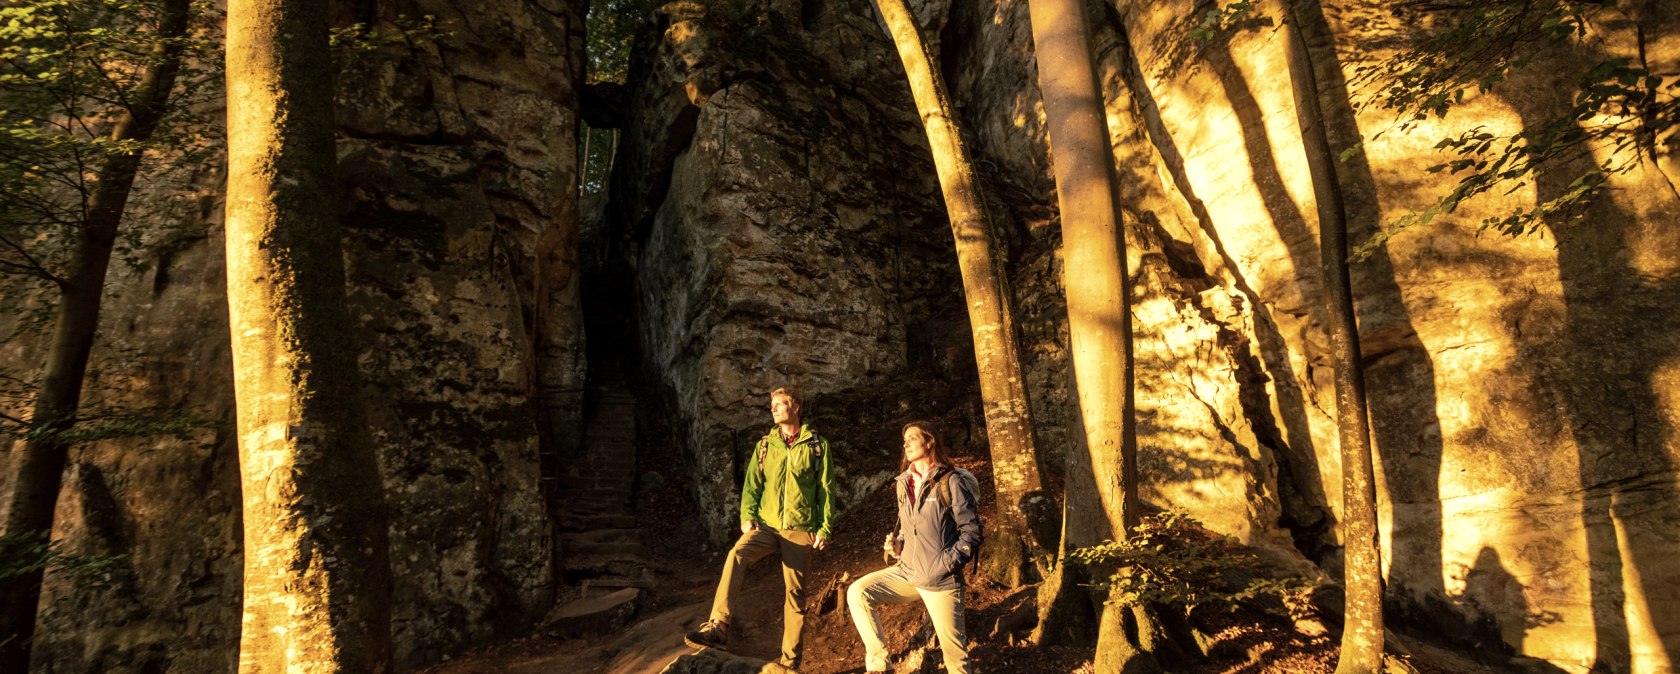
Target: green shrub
<point>1171,560</point>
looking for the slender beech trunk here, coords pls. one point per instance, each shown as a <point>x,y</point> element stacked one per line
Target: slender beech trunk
<point>1011,548</point>
<point>40,466</point>
<point>583,171</point>
<point>1362,636</point>
<point>1098,294</point>
<point>317,585</point>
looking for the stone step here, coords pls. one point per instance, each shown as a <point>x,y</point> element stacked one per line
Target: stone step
<point>616,420</point>
<point>595,566</point>
<point>606,447</point>
<point>599,584</point>
<point>580,491</point>
<point>616,458</point>
<point>612,503</point>
<point>596,520</point>
<point>605,537</point>
<point>604,462</point>
<point>598,463</point>
<point>593,615</point>
<point>615,481</point>
<point>570,522</point>
<point>597,494</point>
<point>604,560</point>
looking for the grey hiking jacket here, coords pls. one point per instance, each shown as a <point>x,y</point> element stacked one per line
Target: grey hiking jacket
<point>937,539</point>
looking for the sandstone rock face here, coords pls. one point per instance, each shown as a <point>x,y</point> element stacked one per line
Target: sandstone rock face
<point>794,236</point>
<point>168,506</point>
<point>1522,391</point>
<point>1207,438</point>
<point>458,198</point>
<point>1495,454</point>
<point>463,276</point>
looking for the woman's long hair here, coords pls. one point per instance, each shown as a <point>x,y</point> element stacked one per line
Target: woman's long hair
<point>930,438</point>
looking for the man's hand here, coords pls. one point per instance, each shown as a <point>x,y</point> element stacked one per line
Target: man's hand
<point>819,543</point>
<point>749,526</point>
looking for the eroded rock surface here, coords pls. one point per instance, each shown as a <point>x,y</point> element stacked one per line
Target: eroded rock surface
<point>457,195</point>
<point>791,240</point>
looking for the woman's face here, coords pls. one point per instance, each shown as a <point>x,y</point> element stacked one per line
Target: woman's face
<point>915,445</point>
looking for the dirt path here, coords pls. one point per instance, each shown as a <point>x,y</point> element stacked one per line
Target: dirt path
<point>686,574</point>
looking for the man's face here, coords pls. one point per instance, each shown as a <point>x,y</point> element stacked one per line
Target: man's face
<point>783,410</point>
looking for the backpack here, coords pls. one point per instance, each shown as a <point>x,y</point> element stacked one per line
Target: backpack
<point>764,450</point>
<point>971,485</point>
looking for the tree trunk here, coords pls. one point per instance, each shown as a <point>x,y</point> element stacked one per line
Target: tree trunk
<point>317,579</point>
<point>1362,636</point>
<point>40,466</point>
<point>1011,548</point>
<point>1098,294</point>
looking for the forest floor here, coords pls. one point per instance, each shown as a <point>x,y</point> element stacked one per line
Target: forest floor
<point>687,573</point>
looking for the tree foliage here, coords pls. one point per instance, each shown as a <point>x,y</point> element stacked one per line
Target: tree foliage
<point>69,70</point>
<point>22,553</point>
<point>612,26</point>
<point>1620,106</point>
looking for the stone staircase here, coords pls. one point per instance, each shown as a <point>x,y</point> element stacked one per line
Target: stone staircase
<point>600,543</point>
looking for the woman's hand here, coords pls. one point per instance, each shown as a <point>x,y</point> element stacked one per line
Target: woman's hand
<point>891,547</point>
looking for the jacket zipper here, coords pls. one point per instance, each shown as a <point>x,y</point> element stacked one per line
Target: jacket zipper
<point>787,459</point>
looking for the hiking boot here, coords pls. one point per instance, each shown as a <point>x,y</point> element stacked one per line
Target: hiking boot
<point>711,634</point>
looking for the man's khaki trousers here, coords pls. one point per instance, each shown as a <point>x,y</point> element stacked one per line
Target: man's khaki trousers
<point>795,547</point>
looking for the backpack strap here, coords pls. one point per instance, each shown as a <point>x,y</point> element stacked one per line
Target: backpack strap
<point>942,491</point>
<point>761,452</point>
<point>764,448</point>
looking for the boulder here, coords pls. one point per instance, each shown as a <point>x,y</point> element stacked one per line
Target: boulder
<point>713,661</point>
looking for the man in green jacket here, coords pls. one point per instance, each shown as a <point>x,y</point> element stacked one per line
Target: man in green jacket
<point>787,505</point>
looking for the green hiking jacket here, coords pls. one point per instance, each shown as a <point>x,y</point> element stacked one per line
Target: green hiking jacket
<point>794,488</point>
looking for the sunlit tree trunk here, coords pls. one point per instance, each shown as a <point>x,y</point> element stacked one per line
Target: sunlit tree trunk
<point>40,466</point>
<point>317,586</point>
<point>1009,548</point>
<point>1362,636</point>
<point>1098,292</point>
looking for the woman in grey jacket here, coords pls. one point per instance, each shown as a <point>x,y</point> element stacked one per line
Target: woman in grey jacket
<point>938,531</point>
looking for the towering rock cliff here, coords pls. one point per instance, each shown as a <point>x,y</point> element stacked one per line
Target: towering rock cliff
<point>457,174</point>
<point>786,231</point>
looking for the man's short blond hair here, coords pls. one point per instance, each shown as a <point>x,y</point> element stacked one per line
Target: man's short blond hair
<point>790,393</point>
